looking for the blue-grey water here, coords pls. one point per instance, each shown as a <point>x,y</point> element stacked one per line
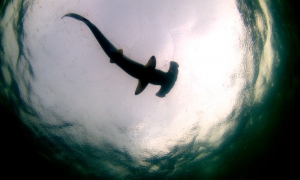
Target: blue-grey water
<point>67,113</point>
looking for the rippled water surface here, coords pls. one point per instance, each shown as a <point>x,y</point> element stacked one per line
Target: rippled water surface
<point>236,82</point>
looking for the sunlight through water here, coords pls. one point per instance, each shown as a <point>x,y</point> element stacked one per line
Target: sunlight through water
<point>82,109</point>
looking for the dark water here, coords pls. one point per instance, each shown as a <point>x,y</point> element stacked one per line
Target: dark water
<point>264,147</point>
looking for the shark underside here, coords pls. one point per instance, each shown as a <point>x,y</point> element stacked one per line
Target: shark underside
<point>144,73</point>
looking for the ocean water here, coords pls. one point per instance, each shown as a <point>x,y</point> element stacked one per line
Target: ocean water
<point>68,113</point>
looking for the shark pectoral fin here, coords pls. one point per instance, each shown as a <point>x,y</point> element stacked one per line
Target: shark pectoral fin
<point>151,63</point>
<point>141,86</point>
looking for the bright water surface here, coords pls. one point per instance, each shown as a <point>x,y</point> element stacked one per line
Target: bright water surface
<point>82,111</point>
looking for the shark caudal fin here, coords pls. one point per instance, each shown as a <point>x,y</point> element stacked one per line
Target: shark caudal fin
<point>116,54</point>
<point>143,82</point>
<point>76,16</point>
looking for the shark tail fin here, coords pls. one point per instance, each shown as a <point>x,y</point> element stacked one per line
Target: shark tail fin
<point>76,16</point>
<point>116,54</point>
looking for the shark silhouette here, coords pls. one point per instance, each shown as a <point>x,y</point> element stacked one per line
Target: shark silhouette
<point>145,74</point>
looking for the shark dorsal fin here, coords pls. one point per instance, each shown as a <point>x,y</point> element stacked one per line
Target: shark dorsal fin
<point>151,63</point>
<point>116,53</point>
<point>120,51</point>
<point>141,86</point>
<point>143,82</point>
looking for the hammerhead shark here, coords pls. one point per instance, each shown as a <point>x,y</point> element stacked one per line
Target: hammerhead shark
<point>145,74</point>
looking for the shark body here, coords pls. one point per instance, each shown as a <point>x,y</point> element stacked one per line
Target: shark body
<point>144,73</point>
